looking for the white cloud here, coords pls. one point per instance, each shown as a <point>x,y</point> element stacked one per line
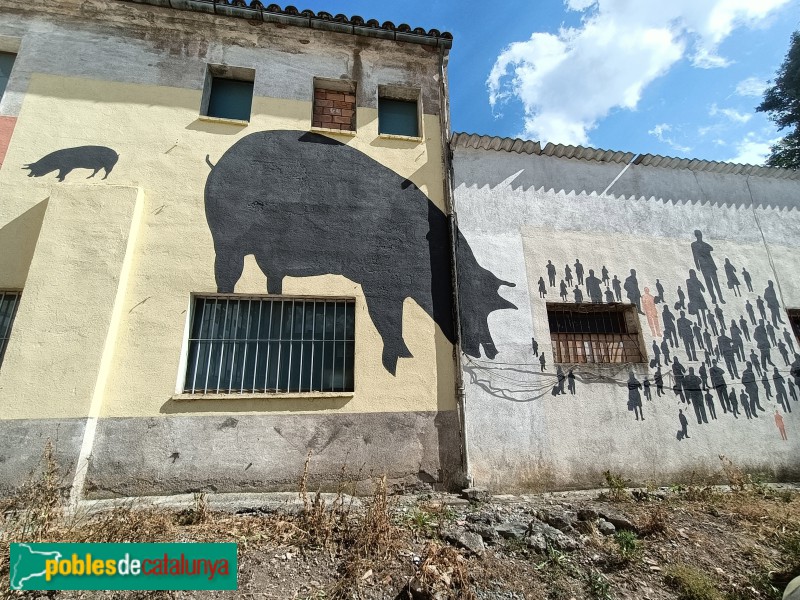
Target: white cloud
<point>569,81</point>
<point>752,86</point>
<point>731,113</point>
<point>660,131</point>
<point>753,149</point>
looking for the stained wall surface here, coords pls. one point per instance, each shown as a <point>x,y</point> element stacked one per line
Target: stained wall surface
<point>533,423</point>
<point>106,226</point>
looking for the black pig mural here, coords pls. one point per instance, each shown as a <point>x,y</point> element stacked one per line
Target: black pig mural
<point>303,204</point>
<point>67,159</point>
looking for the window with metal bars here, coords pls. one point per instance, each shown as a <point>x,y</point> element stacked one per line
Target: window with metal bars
<point>595,333</point>
<point>245,345</point>
<point>9,302</point>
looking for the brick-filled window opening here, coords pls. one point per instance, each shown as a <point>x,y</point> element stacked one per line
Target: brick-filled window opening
<point>9,302</point>
<point>334,109</point>
<point>595,333</point>
<point>241,345</point>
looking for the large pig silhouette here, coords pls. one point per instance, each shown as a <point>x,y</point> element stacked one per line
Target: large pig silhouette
<point>304,204</point>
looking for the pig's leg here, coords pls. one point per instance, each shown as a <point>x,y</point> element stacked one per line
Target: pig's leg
<point>62,173</point>
<point>94,173</point>
<point>387,316</point>
<point>274,281</point>
<point>228,267</point>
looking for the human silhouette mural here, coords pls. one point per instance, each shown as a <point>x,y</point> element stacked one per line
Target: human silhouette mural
<point>706,346</point>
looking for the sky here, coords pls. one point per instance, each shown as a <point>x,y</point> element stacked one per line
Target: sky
<point>677,78</point>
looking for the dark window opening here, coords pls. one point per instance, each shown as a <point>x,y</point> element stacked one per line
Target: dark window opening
<point>6,64</point>
<point>398,117</point>
<point>794,319</point>
<point>230,99</point>
<point>9,302</point>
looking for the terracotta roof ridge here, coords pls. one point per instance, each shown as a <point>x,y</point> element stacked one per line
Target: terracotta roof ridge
<point>290,15</point>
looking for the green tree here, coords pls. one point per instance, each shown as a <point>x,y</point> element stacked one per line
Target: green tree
<point>782,104</point>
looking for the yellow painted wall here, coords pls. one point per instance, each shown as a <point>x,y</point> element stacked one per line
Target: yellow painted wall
<point>162,146</point>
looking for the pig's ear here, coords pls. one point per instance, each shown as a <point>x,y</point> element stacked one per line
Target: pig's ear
<point>407,183</point>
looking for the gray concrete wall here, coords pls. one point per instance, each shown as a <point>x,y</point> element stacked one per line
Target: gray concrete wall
<point>136,43</point>
<point>185,453</point>
<point>519,211</point>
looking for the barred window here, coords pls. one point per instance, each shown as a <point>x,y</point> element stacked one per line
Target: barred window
<point>239,345</point>
<point>9,301</point>
<point>595,333</point>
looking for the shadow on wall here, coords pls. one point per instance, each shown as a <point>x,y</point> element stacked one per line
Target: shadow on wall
<point>66,160</point>
<point>304,204</point>
<point>17,244</point>
<point>563,175</point>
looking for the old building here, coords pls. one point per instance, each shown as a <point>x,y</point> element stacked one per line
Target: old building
<point>223,245</point>
<point>654,302</point>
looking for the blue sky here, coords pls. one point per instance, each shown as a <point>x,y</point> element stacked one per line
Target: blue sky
<point>681,78</point>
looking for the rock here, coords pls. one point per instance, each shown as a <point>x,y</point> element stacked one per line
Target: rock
<point>513,530</point>
<point>560,519</point>
<point>465,539</point>
<point>587,514</point>
<point>486,517</point>
<point>537,542</point>
<point>475,494</point>
<point>487,532</point>
<point>553,536</point>
<point>619,520</point>
<point>605,527</point>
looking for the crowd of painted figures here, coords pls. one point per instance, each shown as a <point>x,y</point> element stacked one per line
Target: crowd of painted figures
<point>733,366</point>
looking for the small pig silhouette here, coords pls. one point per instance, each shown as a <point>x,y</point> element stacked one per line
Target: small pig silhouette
<point>303,204</point>
<point>67,159</point>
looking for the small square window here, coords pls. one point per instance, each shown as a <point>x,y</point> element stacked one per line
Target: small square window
<point>9,302</point>
<point>6,64</point>
<point>228,93</point>
<point>397,117</point>
<point>334,104</point>
<point>398,111</point>
<point>594,333</point>
<point>274,345</point>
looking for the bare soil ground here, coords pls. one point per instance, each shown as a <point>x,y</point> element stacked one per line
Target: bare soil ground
<point>690,542</point>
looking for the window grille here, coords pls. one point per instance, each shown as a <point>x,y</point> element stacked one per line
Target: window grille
<point>9,301</point>
<point>239,345</point>
<point>594,333</point>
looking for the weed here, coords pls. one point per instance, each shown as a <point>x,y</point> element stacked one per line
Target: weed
<point>655,521</point>
<point>616,487</point>
<point>442,574</point>
<point>370,538</point>
<point>691,583</point>
<point>421,522</point>
<point>197,514</point>
<point>555,560</point>
<point>627,544</point>
<point>598,586</point>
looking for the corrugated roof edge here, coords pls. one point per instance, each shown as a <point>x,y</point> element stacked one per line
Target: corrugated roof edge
<point>487,142</point>
<point>290,15</point>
